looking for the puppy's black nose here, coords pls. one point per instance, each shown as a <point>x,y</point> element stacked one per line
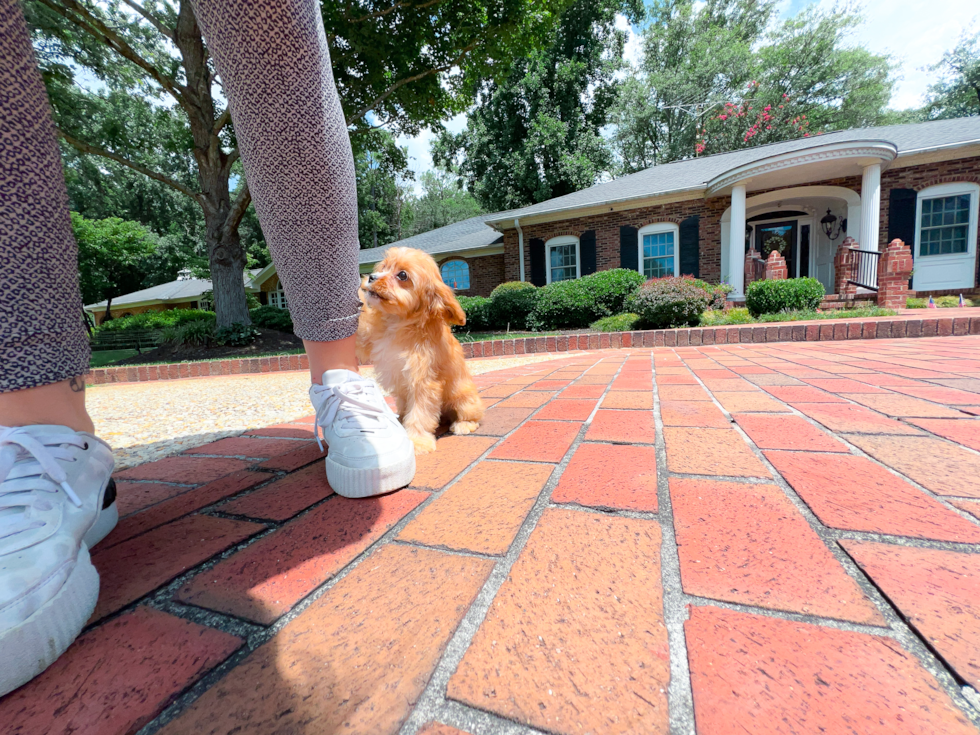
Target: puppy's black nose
<point>372,278</point>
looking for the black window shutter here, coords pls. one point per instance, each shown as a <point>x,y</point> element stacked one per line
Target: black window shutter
<point>690,247</point>
<point>629,248</point>
<point>901,218</point>
<point>538,275</point>
<point>586,247</point>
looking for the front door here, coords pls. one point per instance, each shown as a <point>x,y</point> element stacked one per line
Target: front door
<point>768,234</point>
<point>823,249</point>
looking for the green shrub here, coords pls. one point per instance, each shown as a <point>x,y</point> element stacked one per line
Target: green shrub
<point>578,303</point>
<point>156,320</point>
<point>271,317</point>
<point>793,294</point>
<point>199,333</point>
<point>237,335</point>
<point>719,317</point>
<point>511,304</point>
<point>564,304</point>
<point>914,303</point>
<point>668,302</point>
<point>717,291</point>
<point>610,289</point>
<point>618,323</point>
<point>477,310</point>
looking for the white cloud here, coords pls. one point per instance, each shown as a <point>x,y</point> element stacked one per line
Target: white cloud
<point>633,50</point>
<point>915,33</point>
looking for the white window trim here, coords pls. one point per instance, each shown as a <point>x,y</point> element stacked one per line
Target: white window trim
<point>278,297</point>
<point>656,229</point>
<point>469,274</point>
<point>948,190</point>
<point>562,240</point>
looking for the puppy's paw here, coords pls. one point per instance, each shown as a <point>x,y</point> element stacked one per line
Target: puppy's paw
<point>464,427</point>
<point>424,443</point>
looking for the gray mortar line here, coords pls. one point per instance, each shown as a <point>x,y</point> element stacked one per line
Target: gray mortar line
<point>902,631</point>
<point>163,598</point>
<point>680,693</point>
<point>433,701</point>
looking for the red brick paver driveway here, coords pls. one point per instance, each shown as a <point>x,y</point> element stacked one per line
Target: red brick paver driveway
<point>778,538</point>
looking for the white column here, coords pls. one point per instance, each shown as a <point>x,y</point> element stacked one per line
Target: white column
<point>870,207</point>
<point>736,242</point>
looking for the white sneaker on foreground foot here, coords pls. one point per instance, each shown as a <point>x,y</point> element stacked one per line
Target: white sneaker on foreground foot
<point>370,453</point>
<point>57,500</point>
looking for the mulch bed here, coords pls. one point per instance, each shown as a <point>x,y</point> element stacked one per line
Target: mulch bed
<point>268,342</point>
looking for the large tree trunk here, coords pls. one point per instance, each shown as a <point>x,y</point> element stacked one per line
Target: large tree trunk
<point>227,260</point>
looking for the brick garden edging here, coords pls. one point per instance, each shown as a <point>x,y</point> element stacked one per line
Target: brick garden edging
<point>822,331</point>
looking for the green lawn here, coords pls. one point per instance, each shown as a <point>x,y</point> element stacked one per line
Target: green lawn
<point>107,357</point>
<point>741,316</point>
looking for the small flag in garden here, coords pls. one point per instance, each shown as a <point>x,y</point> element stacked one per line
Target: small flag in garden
<point>931,304</point>
<point>962,300</point>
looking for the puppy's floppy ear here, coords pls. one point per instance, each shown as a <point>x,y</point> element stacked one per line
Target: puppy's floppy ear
<point>445,305</point>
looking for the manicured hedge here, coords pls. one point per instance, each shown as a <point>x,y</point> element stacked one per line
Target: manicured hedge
<point>477,310</point>
<point>663,303</point>
<point>512,303</point>
<point>271,317</point>
<point>156,320</point>
<point>793,294</point>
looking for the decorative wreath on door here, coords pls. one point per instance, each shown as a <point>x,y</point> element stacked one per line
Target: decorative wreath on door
<point>774,243</point>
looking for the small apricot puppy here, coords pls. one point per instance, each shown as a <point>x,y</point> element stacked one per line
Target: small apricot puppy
<point>404,330</point>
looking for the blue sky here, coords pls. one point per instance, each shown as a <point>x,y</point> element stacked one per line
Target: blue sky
<point>914,32</point>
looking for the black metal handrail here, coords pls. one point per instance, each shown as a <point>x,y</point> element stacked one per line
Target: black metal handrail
<point>866,268</point>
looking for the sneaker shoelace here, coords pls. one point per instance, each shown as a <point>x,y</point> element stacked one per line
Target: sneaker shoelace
<point>357,405</point>
<point>25,456</point>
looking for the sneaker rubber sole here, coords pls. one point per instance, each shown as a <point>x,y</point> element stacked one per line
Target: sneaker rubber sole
<point>35,644</point>
<point>353,482</point>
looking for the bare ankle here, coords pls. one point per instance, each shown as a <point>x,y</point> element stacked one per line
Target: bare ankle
<point>60,404</point>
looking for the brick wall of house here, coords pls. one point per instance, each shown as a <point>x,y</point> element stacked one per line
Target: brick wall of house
<point>607,225</point>
<point>921,177</point>
<point>486,273</point>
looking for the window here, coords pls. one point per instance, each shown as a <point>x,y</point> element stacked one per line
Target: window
<point>456,273</point>
<point>563,258</point>
<point>946,221</point>
<point>277,298</point>
<point>944,224</point>
<point>658,250</point>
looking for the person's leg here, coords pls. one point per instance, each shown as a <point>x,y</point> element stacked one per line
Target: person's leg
<point>296,152</point>
<point>55,491</point>
<point>298,163</point>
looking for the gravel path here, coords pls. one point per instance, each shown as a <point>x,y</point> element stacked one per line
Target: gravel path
<point>147,421</point>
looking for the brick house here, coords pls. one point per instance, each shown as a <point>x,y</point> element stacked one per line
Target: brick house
<point>918,182</point>
<point>184,293</point>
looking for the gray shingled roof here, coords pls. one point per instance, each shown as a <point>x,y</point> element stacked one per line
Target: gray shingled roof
<point>469,234</point>
<point>184,290</point>
<point>695,173</point>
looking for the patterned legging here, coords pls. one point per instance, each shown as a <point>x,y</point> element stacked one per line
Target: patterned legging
<point>274,66</point>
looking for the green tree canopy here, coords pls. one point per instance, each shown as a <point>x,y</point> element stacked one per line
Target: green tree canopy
<point>699,56</point>
<point>956,91</point>
<point>537,133</point>
<point>112,255</point>
<point>150,100</point>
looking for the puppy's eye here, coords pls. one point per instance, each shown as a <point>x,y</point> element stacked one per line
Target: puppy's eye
<point>401,276</point>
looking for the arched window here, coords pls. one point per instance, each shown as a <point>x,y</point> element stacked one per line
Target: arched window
<point>277,298</point>
<point>563,258</point>
<point>659,252</point>
<point>456,273</point>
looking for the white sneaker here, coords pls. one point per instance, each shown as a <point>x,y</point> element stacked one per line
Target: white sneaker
<point>57,500</point>
<point>370,453</point>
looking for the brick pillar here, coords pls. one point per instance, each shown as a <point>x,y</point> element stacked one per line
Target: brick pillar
<point>776,269</point>
<point>894,271</point>
<point>844,268</point>
<point>755,268</point>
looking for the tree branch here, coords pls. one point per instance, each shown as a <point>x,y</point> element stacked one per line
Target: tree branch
<point>408,80</point>
<point>230,160</point>
<point>154,21</point>
<point>93,150</point>
<point>78,15</point>
<point>238,208</point>
<point>222,121</point>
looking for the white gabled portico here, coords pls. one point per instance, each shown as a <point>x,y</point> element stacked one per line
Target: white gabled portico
<point>790,171</point>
